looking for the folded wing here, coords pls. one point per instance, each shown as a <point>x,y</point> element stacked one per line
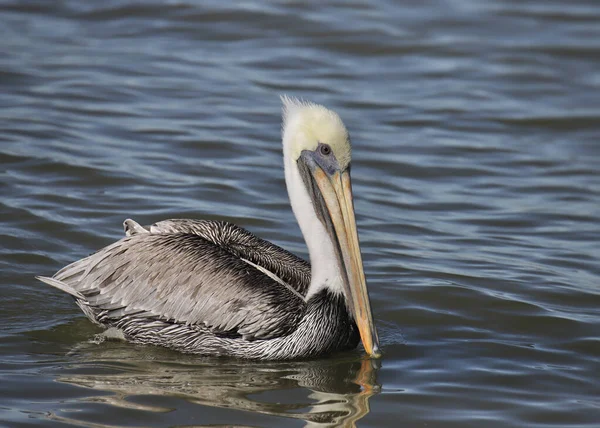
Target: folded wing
<point>185,278</point>
<point>291,269</point>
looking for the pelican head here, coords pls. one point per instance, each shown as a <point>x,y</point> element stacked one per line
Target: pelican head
<point>317,156</point>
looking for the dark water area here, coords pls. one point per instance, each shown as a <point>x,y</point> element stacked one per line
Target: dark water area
<point>476,159</point>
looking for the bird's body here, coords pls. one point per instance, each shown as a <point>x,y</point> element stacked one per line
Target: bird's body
<point>213,288</point>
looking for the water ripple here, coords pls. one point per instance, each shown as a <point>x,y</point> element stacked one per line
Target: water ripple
<point>475,162</point>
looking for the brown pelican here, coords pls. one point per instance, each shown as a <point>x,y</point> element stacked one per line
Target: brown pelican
<point>212,288</point>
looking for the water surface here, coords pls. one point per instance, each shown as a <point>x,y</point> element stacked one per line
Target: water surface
<point>475,127</point>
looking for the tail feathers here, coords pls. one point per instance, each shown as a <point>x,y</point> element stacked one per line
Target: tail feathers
<point>61,286</point>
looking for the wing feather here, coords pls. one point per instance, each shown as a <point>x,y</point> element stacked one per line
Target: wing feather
<point>290,268</point>
<point>184,278</point>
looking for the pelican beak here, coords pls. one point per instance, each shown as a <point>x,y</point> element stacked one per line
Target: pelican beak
<point>338,213</point>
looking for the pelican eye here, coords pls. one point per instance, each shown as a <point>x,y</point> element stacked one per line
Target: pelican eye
<point>325,149</point>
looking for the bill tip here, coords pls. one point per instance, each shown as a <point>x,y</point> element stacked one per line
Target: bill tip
<point>376,352</point>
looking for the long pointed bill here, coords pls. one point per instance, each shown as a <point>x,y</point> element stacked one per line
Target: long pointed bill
<point>336,191</point>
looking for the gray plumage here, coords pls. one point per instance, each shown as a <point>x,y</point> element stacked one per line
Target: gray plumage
<point>213,288</point>
<point>210,288</point>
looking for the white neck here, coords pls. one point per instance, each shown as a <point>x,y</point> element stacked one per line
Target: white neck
<point>324,265</point>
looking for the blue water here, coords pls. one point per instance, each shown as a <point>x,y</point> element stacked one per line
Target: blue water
<point>475,129</point>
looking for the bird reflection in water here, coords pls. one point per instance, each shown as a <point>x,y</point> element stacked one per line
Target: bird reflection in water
<point>331,392</point>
